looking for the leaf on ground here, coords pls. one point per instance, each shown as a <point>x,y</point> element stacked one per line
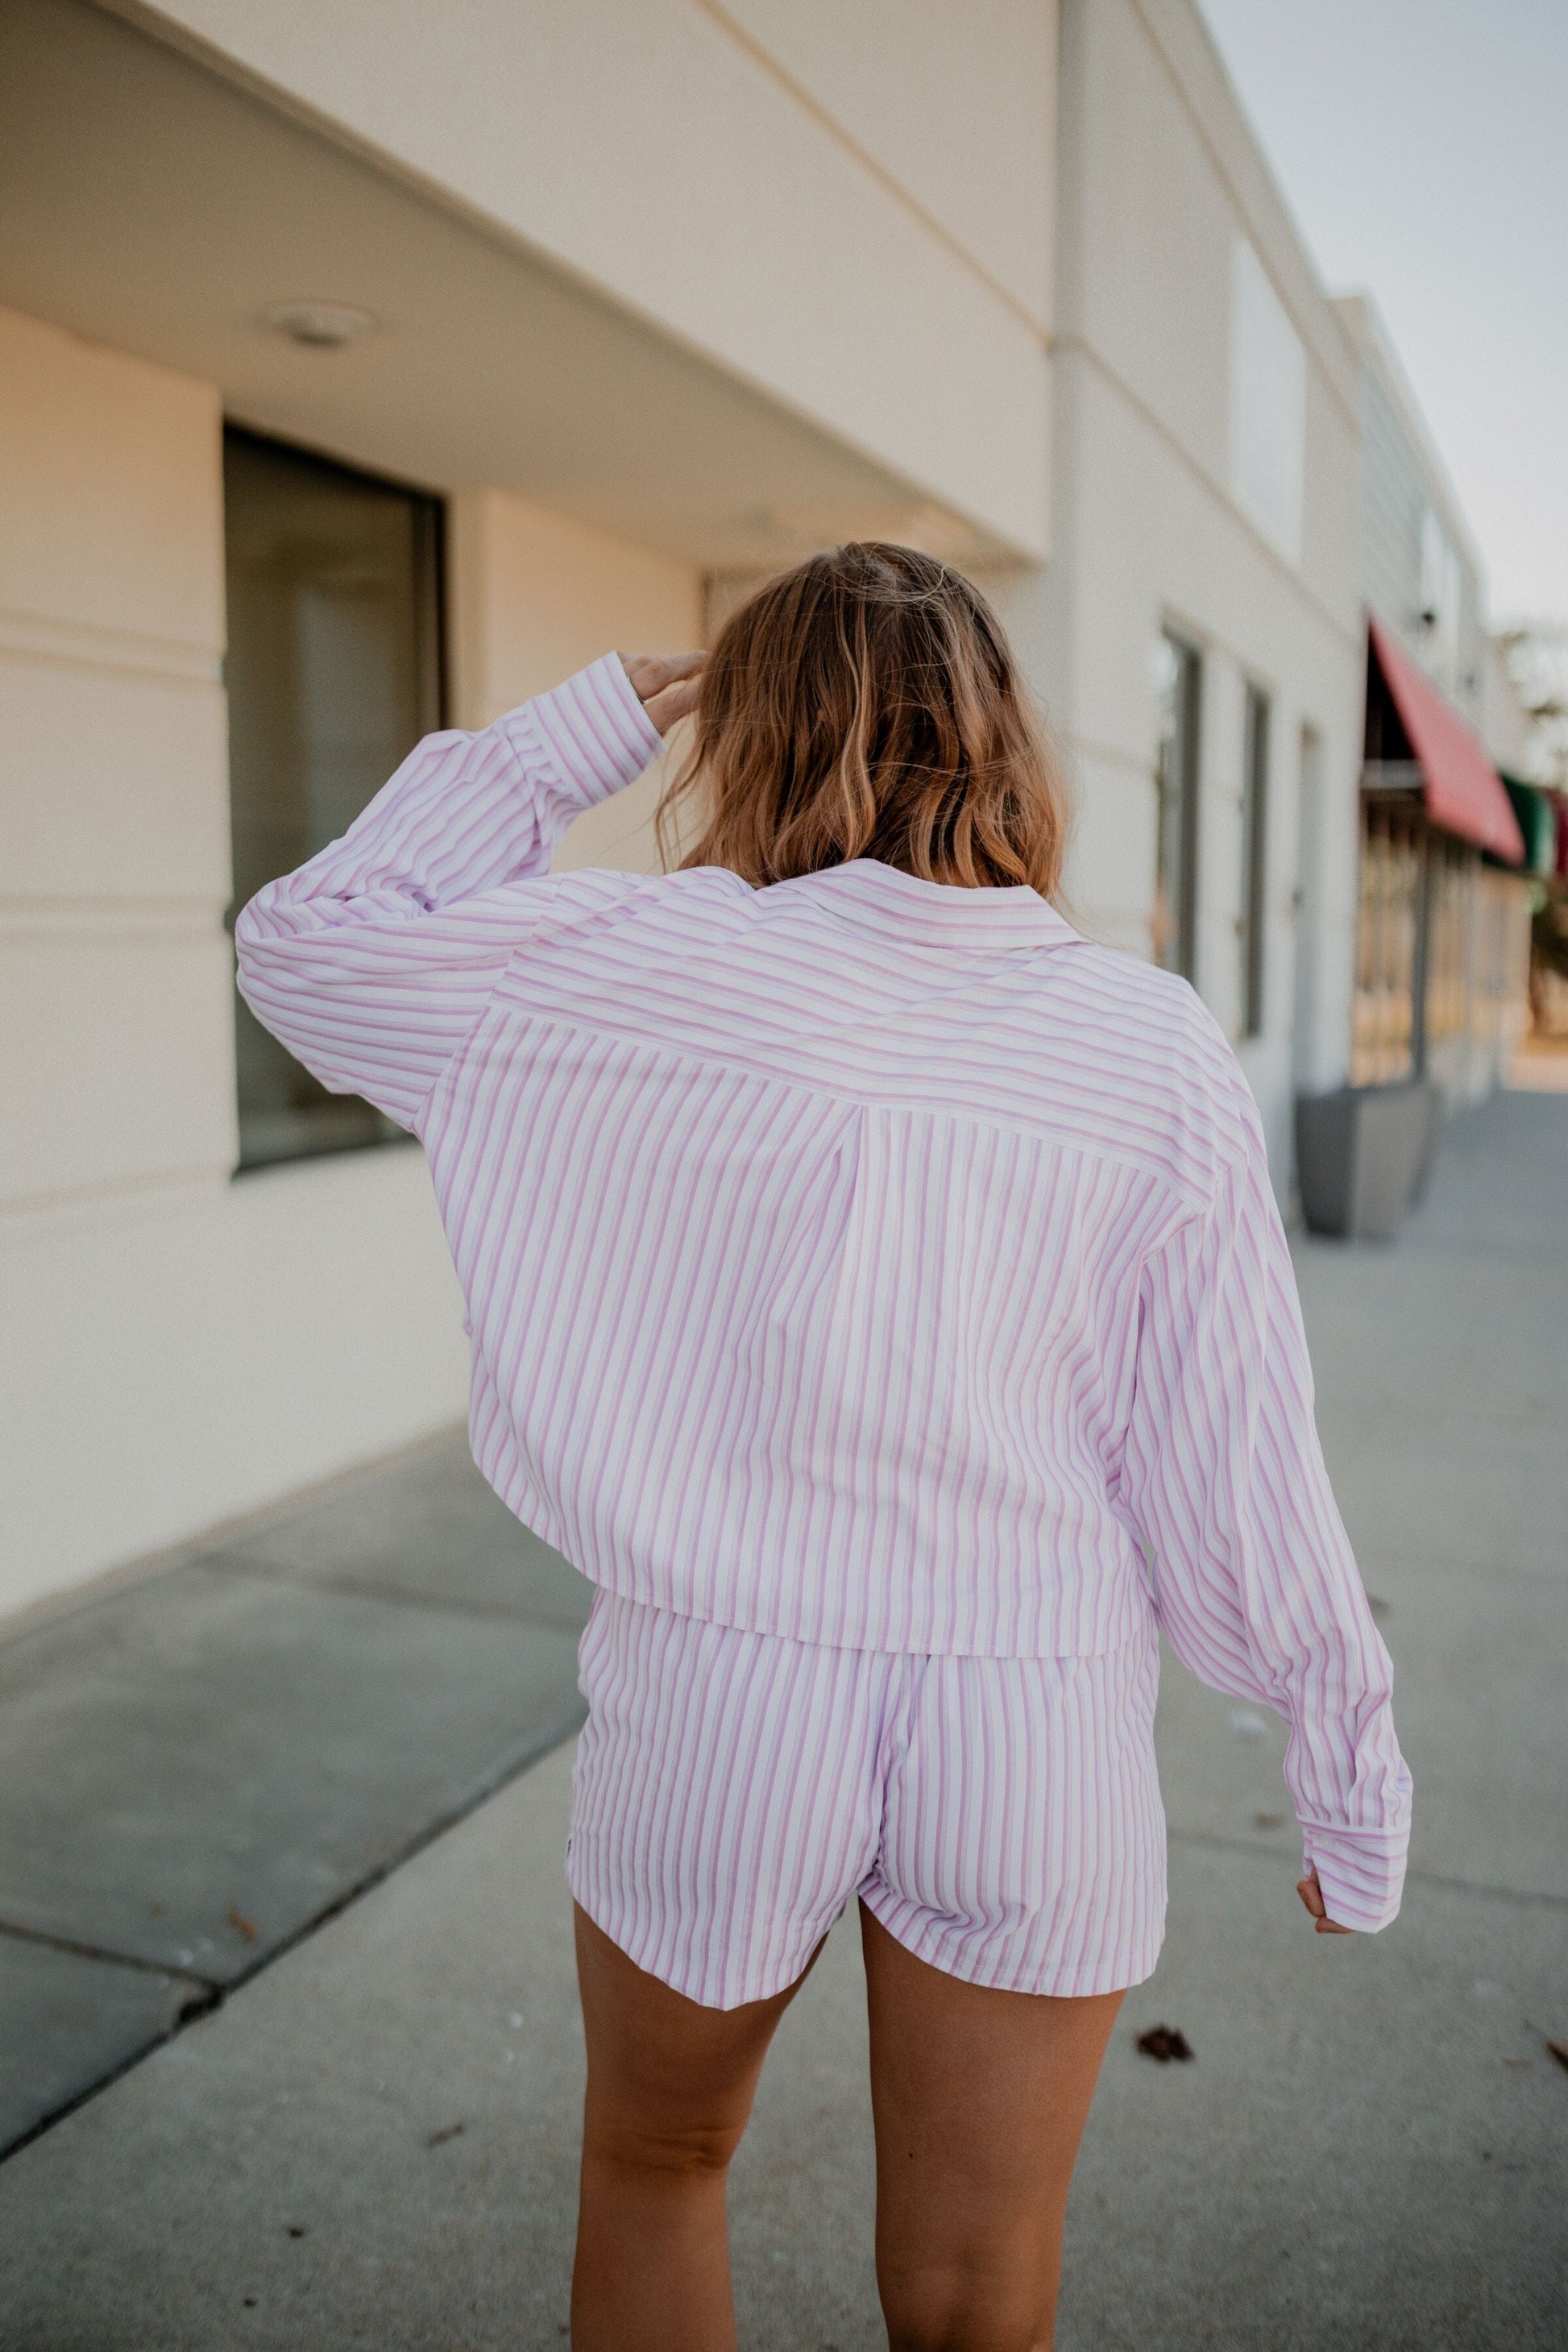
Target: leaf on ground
<point>446,2132</point>
<point>242,1925</point>
<point>1268,1821</point>
<point>1560,2052</point>
<point>1164,2042</point>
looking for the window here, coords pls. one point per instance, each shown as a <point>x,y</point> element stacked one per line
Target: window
<point>1268,406</point>
<point>1178,676</point>
<point>1254,860</point>
<point>1448,1009</point>
<point>1308,907</point>
<point>1385,1033</point>
<point>333,673</point>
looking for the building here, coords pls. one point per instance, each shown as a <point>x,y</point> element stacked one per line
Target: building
<point>417,370</point>
<point>1442,957</point>
<point>369,368</point>
<point>1196,630</point>
<point>1202,607</point>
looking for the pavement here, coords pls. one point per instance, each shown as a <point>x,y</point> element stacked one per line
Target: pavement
<point>198,1767</point>
<point>366,2130</point>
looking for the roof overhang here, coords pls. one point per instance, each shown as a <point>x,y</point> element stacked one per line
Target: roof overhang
<point>154,204</point>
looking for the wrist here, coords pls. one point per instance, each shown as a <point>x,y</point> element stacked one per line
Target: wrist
<point>595,730</point>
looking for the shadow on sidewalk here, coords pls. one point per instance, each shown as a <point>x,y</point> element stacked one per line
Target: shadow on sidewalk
<point>197,1769</point>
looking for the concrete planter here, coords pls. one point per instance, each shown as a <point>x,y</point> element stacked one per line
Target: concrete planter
<point>1362,1155</point>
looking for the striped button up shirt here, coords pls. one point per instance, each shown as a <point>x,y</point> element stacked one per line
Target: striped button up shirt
<point>861,1260</point>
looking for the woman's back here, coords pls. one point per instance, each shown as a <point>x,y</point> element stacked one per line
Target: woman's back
<point>803,1232</point>
<point>853,1253</point>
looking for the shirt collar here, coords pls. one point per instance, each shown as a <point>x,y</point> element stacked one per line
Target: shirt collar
<point>998,915</point>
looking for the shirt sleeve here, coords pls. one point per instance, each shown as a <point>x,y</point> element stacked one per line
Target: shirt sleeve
<point>1255,1582</point>
<point>373,962</point>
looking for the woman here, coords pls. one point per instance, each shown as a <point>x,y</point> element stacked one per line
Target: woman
<point>876,1288</point>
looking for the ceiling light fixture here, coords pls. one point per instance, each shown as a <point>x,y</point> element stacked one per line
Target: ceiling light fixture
<point>322,326</point>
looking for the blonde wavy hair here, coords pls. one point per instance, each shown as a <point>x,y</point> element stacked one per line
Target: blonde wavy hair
<point>867,705</point>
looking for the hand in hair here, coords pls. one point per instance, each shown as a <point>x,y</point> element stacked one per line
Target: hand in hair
<point>665,684</point>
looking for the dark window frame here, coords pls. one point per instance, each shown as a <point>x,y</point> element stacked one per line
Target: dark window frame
<point>417,675</point>
<point>1252,925</point>
<point>1177,815</point>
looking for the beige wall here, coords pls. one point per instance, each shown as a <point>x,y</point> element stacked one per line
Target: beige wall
<point>757,181</point>
<point>534,597</point>
<point>175,1347</point>
<point>112,762</point>
<point>178,1347</point>
<point>172,1361</point>
<point>955,102</point>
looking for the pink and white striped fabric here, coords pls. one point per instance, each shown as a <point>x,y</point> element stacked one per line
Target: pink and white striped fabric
<point>862,1261</point>
<point>731,1791</point>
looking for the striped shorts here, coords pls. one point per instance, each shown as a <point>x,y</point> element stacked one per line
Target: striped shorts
<point>1000,1816</point>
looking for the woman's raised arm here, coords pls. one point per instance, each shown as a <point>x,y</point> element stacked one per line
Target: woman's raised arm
<point>374,959</point>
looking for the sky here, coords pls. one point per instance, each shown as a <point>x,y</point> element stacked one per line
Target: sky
<point>1422,148</point>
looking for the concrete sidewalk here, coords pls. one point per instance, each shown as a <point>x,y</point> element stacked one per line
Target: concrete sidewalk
<point>197,1767</point>
<point>374,2140</point>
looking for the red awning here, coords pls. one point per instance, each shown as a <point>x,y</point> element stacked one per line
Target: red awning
<point>1463,791</point>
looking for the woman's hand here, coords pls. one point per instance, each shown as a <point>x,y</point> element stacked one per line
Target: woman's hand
<point>665,684</point>
<point>1311,1894</point>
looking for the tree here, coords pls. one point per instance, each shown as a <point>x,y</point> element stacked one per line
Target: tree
<point>1536,653</point>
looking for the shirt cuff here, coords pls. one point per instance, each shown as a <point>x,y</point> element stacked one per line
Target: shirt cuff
<point>595,733</point>
<point>1361,1871</point>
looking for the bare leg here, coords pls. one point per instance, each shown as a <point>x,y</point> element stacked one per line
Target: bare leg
<point>980,2099</point>
<point>670,2085</point>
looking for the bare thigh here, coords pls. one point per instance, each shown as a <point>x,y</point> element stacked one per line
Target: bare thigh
<point>661,2068</point>
<point>980,2099</point>
<point>670,2085</point>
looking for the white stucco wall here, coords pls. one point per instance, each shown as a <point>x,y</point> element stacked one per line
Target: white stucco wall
<point>1506,728</point>
<point>757,181</point>
<point>1159,179</point>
